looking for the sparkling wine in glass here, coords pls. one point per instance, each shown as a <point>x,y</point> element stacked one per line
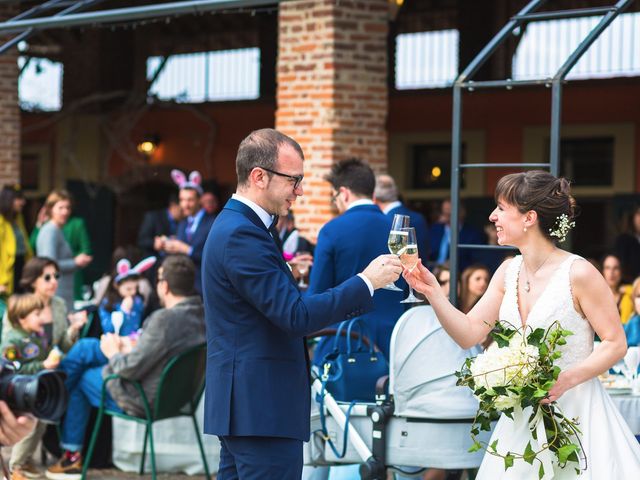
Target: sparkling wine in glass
<point>303,268</point>
<point>397,241</point>
<point>409,259</point>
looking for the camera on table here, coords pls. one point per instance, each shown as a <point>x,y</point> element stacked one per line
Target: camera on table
<point>42,395</point>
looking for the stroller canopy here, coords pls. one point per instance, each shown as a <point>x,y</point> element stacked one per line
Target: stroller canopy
<point>423,362</point>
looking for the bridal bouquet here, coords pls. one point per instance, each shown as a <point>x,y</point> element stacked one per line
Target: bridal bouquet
<point>514,373</point>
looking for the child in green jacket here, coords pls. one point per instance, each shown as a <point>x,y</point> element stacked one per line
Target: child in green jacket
<point>28,346</point>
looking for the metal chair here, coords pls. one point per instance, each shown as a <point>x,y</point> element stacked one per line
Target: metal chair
<point>179,391</point>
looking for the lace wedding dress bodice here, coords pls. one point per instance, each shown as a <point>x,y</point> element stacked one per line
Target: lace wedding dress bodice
<point>555,303</point>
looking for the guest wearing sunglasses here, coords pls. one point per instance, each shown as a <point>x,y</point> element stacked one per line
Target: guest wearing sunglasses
<point>40,275</point>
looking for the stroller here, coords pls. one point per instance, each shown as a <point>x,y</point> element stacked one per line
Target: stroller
<point>425,419</point>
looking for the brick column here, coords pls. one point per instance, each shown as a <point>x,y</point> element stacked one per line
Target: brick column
<point>9,109</point>
<point>332,91</point>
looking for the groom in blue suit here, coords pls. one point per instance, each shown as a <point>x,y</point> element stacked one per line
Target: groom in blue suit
<point>257,383</point>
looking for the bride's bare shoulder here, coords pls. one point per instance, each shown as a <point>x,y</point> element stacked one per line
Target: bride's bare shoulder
<point>499,276</point>
<point>504,265</point>
<point>585,276</point>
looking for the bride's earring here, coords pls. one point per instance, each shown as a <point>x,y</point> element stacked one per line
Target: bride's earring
<point>524,229</point>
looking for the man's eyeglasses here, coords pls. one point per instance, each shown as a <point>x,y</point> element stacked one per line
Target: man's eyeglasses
<point>47,277</point>
<point>334,196</point>
<point>297,178</point>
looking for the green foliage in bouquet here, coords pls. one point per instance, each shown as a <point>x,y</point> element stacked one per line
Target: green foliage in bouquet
<point>518,372</point>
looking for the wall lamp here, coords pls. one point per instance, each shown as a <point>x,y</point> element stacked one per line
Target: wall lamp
<point>149,145</point>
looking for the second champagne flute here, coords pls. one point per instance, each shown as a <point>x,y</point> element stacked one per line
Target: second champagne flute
<point>303,268</point>
<point>397,241</point>
<point>409,258</point>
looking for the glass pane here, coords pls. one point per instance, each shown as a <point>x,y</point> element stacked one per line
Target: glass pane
<point>207,76</point>
<point>431,166</point>
<point>40,84</point>
<point>426,59</point>
<point>587,162</point>
<point>546,45</point>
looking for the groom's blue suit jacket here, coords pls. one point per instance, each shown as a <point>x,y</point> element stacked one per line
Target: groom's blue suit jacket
<point>257,380</point>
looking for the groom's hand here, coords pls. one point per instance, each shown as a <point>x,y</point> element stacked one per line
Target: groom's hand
<point>383,270</point>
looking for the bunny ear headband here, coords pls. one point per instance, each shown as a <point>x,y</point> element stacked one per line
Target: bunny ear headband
<point>124,270</point>
<point>194,181</point>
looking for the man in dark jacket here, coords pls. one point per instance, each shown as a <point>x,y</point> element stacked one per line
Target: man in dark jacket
<point>159,224</point>
<point>167,332</point>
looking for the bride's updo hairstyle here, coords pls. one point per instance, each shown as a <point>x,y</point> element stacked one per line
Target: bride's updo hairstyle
<point>537,190</point>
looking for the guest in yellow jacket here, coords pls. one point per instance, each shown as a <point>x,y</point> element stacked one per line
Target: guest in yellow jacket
<point>15,249</point>
<point>612,273</point>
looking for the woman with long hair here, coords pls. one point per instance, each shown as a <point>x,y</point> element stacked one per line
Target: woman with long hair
<point>612,273</point>
<point>15,249</point>
<point>627,245</point>
<point>51,243</point>
<point>474,282</point>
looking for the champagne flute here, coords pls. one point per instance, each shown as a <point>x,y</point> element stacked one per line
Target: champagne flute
<point>303,268</point>
<point>397,241</point>
<point>409,258</point>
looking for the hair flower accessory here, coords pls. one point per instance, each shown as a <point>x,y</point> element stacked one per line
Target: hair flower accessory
<point>561,227</point>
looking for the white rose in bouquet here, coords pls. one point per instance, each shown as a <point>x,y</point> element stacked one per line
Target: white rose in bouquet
<point>503,367</point>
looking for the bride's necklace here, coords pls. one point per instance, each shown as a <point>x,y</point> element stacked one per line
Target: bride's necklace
<point>527,284</point>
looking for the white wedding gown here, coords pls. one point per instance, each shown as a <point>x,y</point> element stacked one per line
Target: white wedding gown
<point>611,450</point>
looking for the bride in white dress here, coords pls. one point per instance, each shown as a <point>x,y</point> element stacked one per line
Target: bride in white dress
<point>543,285</point>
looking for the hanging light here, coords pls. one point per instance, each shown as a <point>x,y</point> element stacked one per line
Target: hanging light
<point>149,145</point>
<point>394,6</point>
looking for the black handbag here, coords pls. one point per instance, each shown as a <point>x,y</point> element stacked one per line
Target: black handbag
<point>351,369</point>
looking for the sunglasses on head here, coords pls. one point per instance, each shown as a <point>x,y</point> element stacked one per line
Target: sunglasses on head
<point>47,277</point>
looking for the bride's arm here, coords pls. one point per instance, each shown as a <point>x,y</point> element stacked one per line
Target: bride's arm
<point>466,330</point>
<point>595,301</point>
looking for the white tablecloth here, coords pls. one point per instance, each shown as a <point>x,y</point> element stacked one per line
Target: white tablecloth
<point>174,443</point>
<point>177,450</point>
<point>629,406</point>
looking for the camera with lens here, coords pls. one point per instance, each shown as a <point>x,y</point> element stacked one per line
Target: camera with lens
<point>42,395</point>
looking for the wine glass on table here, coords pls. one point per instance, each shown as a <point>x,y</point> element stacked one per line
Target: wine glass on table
<point>397,241</point>
<point>409,259</point>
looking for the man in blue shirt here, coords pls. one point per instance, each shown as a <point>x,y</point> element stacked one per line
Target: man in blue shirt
<point>192,230</point>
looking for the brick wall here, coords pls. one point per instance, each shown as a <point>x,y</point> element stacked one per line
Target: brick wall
<point>332,91</point>
<point>9,110</point>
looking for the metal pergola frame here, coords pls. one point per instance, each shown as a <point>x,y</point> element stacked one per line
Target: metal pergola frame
<point>24,24</point>
<point>464,80</point>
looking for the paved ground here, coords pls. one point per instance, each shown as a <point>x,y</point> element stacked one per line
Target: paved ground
<point>115,474</point>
